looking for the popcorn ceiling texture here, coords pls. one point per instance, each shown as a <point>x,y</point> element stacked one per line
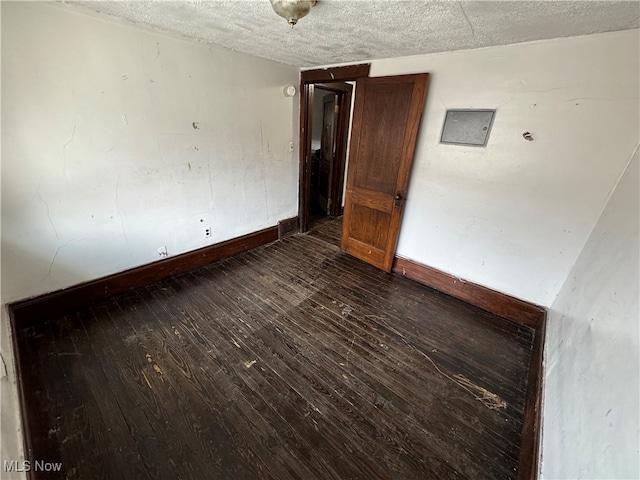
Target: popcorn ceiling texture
<point>341,31</point>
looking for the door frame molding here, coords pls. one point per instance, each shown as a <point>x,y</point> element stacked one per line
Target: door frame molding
<point>308,78</point>
<point>344,91</point>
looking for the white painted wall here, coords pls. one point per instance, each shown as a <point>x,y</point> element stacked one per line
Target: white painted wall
<point>101,163</point>
<point>592,388</point>
<point>11,440</point>
<point>514,216</point>
<point>10,427</point>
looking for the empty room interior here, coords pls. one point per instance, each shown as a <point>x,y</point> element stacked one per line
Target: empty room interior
<point>289,239</point>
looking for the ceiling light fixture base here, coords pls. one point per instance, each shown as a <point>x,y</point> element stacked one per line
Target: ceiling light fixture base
<point>292,10</point>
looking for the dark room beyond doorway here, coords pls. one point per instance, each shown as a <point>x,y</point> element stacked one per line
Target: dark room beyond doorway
<point>331,111</point>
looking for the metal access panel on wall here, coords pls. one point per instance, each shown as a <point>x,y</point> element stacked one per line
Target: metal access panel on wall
<point>467,127</point>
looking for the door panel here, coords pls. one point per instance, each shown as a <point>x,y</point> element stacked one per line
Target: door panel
<point>367,226</point>
<point>385,125</point>
<point>372,199</point>
<point>385,116</point>
<point>327,151</point>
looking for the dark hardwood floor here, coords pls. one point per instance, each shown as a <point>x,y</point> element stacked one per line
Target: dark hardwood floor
<point>326,228</point>
<point>290,361</point>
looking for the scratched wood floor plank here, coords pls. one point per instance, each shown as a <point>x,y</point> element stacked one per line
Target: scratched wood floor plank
<point>90,433</point>
<point>514,347</point>
<point>368,311</point>
<point>109,434</point>
<point>282,380</point>
<point>400,379</point>
<point>290,361</point>
<point>328,229</point>
<point>155,430</point>
<point>315,392</point>
<point>215,382</point>
<point>370,392</point>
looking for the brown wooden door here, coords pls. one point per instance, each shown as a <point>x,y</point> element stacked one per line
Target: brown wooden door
<point>385,125</point>
<point>327,151</point>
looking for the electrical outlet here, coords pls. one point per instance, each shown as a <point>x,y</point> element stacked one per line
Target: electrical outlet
<point>207,232</point>
<point>162,251</point>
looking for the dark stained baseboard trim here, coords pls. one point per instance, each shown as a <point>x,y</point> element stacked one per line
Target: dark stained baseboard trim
<point>26,406</point>
<point>288,227</point>
<point>495,302</point>
<point>532,419</point>
<point>31,311</point>
<point>525,313</point>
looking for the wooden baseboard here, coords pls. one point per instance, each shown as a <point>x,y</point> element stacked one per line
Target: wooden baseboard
<point>528,314</point>
<point>288,227</point>
<point>532,420</point>
<point>495,302</point>
<point>34,310</point>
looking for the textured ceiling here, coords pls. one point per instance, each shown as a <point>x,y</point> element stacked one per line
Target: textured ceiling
<point>337,31</point>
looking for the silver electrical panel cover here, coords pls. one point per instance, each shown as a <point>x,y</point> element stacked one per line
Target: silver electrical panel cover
<point>467,127</point>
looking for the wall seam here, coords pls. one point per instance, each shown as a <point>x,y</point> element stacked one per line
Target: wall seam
<point>593,227</point>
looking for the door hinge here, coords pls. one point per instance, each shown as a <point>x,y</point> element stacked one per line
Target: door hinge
<point>336,108</point>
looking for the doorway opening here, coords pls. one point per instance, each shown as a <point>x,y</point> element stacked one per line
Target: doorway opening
<point>386,120</point>
<point>329,138</point>
<point>325,113</point>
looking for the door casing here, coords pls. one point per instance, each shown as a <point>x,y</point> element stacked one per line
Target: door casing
<point>307,80</point>
<point>331,75</point>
